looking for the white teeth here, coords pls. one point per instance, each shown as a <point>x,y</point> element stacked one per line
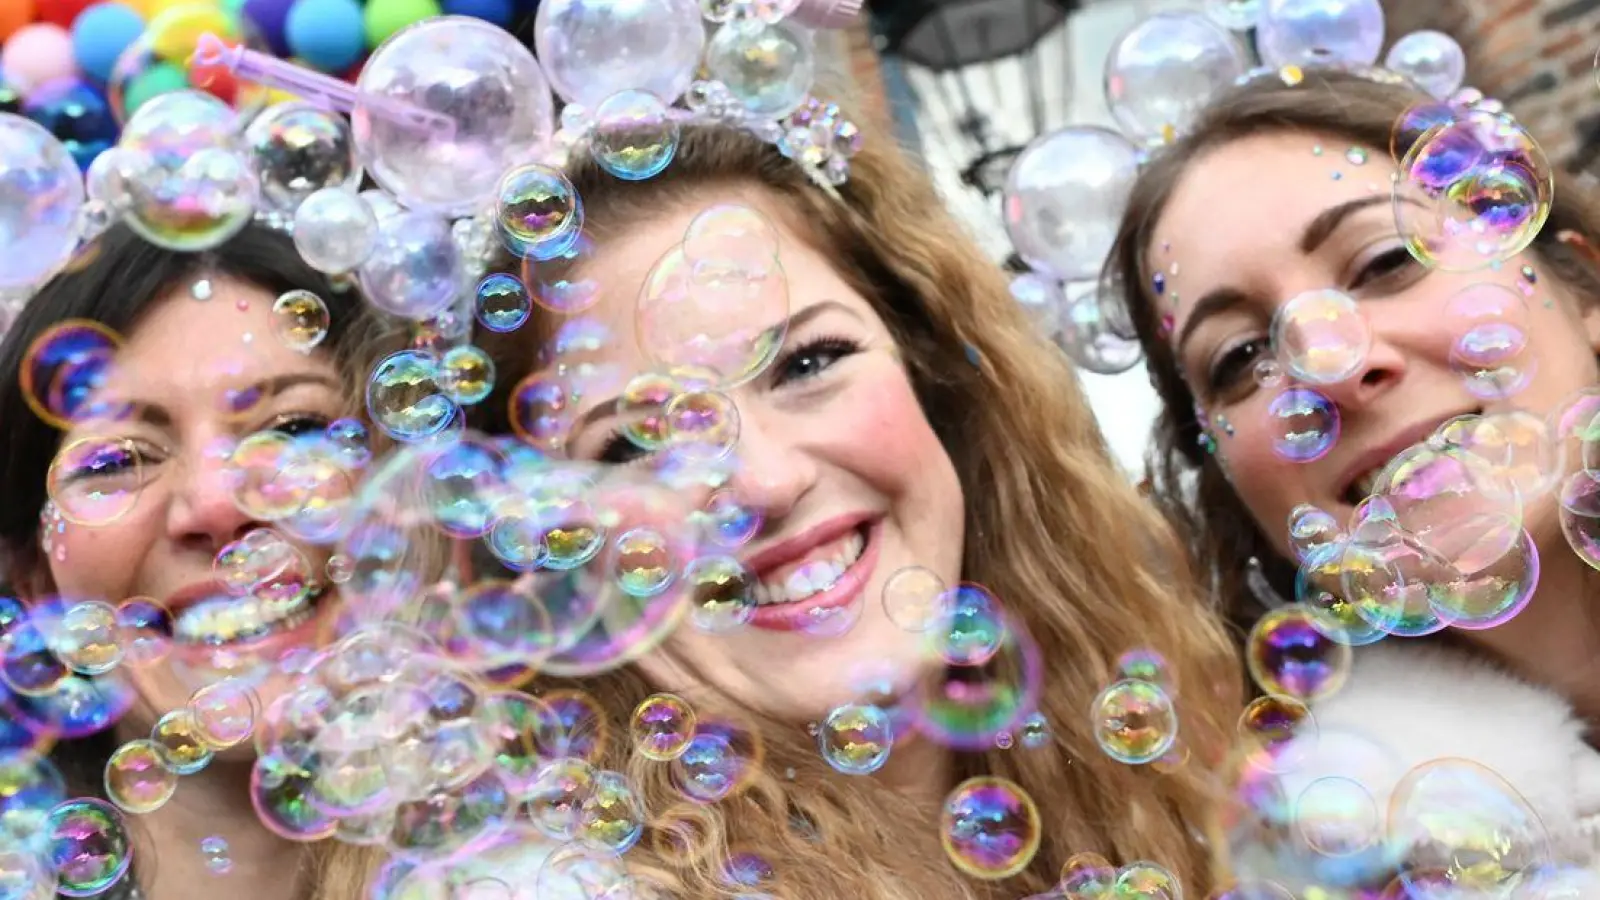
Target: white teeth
<point>225,619</point>
<point>813,576</point>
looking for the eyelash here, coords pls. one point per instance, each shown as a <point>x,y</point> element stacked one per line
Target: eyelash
<point>1232,365</point>
<point>620,450</point>
<point>294,425</point>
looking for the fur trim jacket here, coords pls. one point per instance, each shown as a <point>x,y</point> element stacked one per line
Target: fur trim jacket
<point>1405,705</point>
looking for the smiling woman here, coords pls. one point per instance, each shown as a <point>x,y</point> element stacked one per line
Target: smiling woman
<point>145,399</point>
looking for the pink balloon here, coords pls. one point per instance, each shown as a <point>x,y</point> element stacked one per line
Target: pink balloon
<point>36,54</point>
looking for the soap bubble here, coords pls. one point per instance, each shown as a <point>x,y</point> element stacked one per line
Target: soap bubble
<point>592,50</point>
<point>1235,15</point>
<point>137,780</point>
<point>1042,299</point>
<point>1145,880</point>
<point>466,374</point>
<point>1311,529</point>
<point>178,739</point>
<point>63,368</point>
<point>1089,333</point>
<point>1064,197</point>
<point>1319,32</point>
<point>300,320</point>
<point>768,68</point>
<point>538,212</point>
<point>911,598</point>
<point>300,149</point>
<point>1432,59</point>
<point>723,315</point>
<point>968,629</point>
<point>611,816</point>
<point>1321,337</point>
<point>856,738</point>
<point>473,74</point>
<point>721,593</point>
<point>1303,424</point>
<point>635,135</point>
<point>335,230</point>
<point>1462,819</point>
<point>1164,70</point>
<point>1454,502</point>
<point>224,713</point>
<point>990,828</point>
<point>42,193</point>
<point>663,725</point>
<point>404,397</point>
<point>189,186</point>
<point>502,303</point>
<point>414,269</point>
<point>1490,348</point>
<point>1337,816</point>
<point>1288,654</point>
<point>1275,732</point>
<point>704,424</point>
<point>1135,721</point>
<point>1517,443</point>
<point>96,480</point>
<point>1580,515</point>
<point>144,630</point>
<point>89,847</point>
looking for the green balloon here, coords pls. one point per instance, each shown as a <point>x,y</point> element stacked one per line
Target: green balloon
<point>384,17</point>
<point>161,78</point>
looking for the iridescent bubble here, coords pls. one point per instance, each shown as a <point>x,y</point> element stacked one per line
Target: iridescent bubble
<point>541,412</point>
<point>611,817</point>
<point>1164,70</point>
<point>177,738</point>
<point>1386,576</point>
<point>466,374</point>
<point>1490,349</point>
<point>1268,373</point>
<point>95,481</point>
<point>27,665</point>
<point>1432,59</point>
<point>1087,876</point>
<point>557,795</point>
<point>1486,598</point>
<point>335,230</point>
<point>224,713</point>
<point>1311,529</point>
<point>484,107</point>
<point>414,269</point>
<point>538,212</point>
<point>137,779</point>
<point>731,523</point>
<point>1580,515</point>
<point>968,627</point>
<point>1473,192</point>
<point>969,707</point>
<point>1456,504</point>
<point>1287,654</point>
<point>300,320</point>
<point>1035,731</point>
<point>87,638</point>
<point>580,870</point>
<point>1145,664</point>
<point>215,851</point>
<point>709,769</point>
<point>725,315</point>
<point>642,406</point>
<point>663,726</point>
<point>299,149</point>
<point>44,193</point>
<point>404,397</point>
<point>1276,731</point>
<point>990,828</point>
<point>583,731</point>
<point>63,368</point>
<point>1337,816</point>
<point>704,424</point>
<point>144,631</point>
<point>30,787</point>
<point>768,68</point>
<point>1321,337</point>
<point>188,185</point>
<point>1517,443</point>
<point>635,135</point>
<point>721,593</point>
<point>1064,197</point>
<point>1463,820</point>
<point>1146,880</point>
<point>856,738</point>
<point>912,596</point>
<point>1134,721</point>
<point>644,562</point>
<point>1091,332</point>
<point>1319,32</point>
<point>593,50</point>
<point>1303,424</point>
<point>502,303</point>
<point>89,847</point>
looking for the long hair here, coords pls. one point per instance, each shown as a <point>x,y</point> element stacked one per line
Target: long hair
<point>1188,485</point>
<point>1053,529</point>
<point>114,283</point>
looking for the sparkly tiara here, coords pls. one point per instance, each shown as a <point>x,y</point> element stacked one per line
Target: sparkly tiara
<point>450,157</point>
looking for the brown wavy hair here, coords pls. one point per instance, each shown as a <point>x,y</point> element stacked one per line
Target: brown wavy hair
<point>1053,528</point>
<point>1186,482</point>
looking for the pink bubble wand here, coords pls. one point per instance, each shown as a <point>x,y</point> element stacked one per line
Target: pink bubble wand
<point>314,87</point>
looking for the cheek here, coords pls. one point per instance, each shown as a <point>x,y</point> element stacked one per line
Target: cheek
<point>98,561</point>
<point>1268,484</point>
<point>880,430</point>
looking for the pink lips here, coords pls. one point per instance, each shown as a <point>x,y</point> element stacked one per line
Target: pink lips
<point>802,615</point>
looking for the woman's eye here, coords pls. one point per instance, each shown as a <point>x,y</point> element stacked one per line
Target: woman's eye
<point>1388,264</point>
<point>809,360</point>
<point>620,451</point>
<point>299,426</point>
<point>1231,367</point>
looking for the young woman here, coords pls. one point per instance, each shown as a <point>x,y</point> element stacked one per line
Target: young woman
<point>883,410</point>
<point>128,385</point>
<point>1281,190</point>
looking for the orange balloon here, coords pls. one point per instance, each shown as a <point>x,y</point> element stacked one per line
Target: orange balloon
<point>13,15</point>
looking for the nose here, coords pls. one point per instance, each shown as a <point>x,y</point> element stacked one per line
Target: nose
<point>202,514</point>
<point>1380,371</point>
<point>775,469</point>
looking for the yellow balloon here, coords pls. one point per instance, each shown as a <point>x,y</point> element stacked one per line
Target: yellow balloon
<point>175,33</point>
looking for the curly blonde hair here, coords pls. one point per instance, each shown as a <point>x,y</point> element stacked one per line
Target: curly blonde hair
<point>1052,526</point>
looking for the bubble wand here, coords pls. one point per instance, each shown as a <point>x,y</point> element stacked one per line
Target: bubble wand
<point>323,90</point>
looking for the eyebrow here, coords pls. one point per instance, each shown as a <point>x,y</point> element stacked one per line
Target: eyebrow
<point>157,416</point>
<point>1316,233</point>
<point>607,408</point>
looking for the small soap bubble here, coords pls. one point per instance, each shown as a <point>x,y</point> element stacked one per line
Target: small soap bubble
<point>177,738</point>
<point>96,480</point>
<point>969,627</point>
<point>1321,337</point>
<point>1580,515</point>
<point>721,593</point>
<point>300,319</point>
<point>1268,373</point>
<point>1087,876</point>
<point>912,597</point>
<point>663,725</point>
<point>732,523</point>
<point>634,135</point>
<point>1303,423</point>
<point>611,816</point>
<point>1146,881</point>
<point>1491,349</point>
<point>335,230</point>
<point>538,212</point>
<point>1145,664</point>
<point>144,631</point>
<point>1288,654</point>
<point>502,303</point>
<point>89,847</point>
<point>137,779</point>
<point>768,68</point>
<point>215,851</point>
<point>703,423</point>
<point>1274,730</point>
<point>1337,817</point>
<point>856,738</point>
<point>466,374</point>
<point>1036,731</point>
<point>990,828</point>
<point>87,638</point>
<point>1311,529</point>
<point>1134,721</point>
<point>224,713</point>
<point>645,564</point>
<point>404,397</point>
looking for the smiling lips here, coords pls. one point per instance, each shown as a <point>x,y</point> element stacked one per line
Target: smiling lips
<point>209,615</point>
<point>802,580</point>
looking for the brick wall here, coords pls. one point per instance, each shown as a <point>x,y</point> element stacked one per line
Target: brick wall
<point>1535,55</point>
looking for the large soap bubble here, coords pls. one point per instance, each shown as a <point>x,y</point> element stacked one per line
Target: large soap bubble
<point>591,49</point>
<point>1165,69</point>
<point>1320,32</point>
<point>189,183</point>
<point>1064,198</point>
<point>41,198</point>
<point>467,71</point>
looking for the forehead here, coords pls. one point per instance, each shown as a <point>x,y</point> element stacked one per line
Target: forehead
<point>182,346</point>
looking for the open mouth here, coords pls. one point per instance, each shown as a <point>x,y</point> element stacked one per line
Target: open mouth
<point>1363,485</point>
<point>227,620</point>
<point>818,574</point>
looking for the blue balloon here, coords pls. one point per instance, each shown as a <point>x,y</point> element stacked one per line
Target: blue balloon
<point>100,34</point>
<point>77,113</point>
<point>328,34</point>
<point>497,12</point>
